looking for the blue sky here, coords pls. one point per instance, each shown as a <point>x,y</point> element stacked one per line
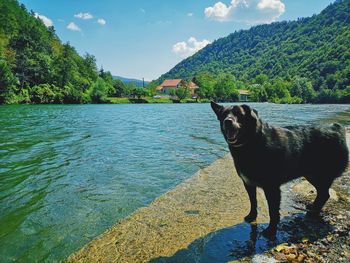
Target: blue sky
<point>147,38</point>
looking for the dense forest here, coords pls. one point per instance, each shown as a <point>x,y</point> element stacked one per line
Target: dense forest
<point>36,67</point>
<point>307,60</point>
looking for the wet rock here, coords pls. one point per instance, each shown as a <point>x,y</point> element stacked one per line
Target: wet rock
<point>305,189</point>
<point>263,258</point>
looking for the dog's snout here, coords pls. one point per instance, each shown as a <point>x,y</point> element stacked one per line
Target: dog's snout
<point>229,122</point>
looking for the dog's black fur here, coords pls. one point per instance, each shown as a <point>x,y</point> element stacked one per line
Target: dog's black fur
<point>267,156</point>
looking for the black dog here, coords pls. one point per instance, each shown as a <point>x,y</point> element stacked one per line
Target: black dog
<point>268,156</point>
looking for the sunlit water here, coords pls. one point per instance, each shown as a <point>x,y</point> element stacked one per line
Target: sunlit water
<point>68,172</point>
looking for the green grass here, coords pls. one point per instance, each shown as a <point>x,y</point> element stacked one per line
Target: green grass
<point>116,100</point>
<point>161,100</point>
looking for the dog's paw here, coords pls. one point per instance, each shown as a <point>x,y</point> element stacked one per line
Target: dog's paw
<point>251,217</point>
<point>309,207</point>
<point>313,214</point>
<point>269,233</point>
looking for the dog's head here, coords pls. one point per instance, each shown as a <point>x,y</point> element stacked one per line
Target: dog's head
<point>238,123</point>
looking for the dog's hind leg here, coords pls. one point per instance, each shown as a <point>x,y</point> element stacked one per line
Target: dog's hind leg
<point>251,190</point>
<point>321,198</point>
<point>273,196</point>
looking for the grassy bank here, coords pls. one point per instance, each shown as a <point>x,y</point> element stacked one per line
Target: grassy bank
<point>125,100</point>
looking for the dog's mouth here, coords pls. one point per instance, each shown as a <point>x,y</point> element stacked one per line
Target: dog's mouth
<point>231,137</point>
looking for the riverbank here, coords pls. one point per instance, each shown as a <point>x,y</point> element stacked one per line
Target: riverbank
<point>125,100</point>
<point>202,218</point>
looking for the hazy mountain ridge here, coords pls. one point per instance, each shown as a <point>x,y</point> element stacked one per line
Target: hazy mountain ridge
<point>137,82</point>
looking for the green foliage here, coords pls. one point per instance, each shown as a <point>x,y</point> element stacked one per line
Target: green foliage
<point>119,88</point>
<point>302,88</point>
<point>140,92</point>
<point>152,87</point>
<point>225,88</point>
<point>37,68</point>
<point>8,82</point>
<point>42,93</point>
<point>258,93</point>
<point>182,93</point>
<point>99,91</point>
<point>313,50</point>
<point>108,79</point>
<point>206,83</point>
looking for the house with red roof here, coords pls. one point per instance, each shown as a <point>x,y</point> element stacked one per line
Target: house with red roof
<point>173,84</point>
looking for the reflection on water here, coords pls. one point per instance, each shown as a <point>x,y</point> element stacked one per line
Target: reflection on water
<point>68,172</point>
<point>244,240</point>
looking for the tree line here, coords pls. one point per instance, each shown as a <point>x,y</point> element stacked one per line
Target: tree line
<point>225,87</point>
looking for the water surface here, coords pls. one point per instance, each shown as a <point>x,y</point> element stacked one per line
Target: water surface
<point>68,172</point>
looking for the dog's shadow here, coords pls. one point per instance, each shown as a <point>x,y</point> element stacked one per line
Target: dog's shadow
<point>245,240</point>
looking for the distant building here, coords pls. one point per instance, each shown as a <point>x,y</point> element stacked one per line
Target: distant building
<point>173,84</point>
<point>243,95</point>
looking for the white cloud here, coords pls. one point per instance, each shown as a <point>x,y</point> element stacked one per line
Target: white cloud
<point>72,26</point>
<point>84,16</point>
<point>189,14</point>
<point>142,10</point>
<point>47,21</point>
<point>185,49</point>
<point>101,21</point>
<point>218,12</point>
<point>247,11</point>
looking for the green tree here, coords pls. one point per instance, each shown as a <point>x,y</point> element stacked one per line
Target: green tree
<point>258,93</point>
<point>152,87</point>
<point>278,91</point>
<point>108,79</point>
<point>120,88</point>
<point>205,82</point>
<point>182,93</point>
<point>225,88</point>
<point>8,83</point>
<point>140,92</point>
<point>99,91</point>
<point>42,93</point>
<point>302,88</point>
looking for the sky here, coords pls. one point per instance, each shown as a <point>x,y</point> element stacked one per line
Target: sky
<point>146,38</point>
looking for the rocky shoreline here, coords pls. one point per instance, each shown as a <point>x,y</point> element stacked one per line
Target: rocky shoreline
<point>324,239</point>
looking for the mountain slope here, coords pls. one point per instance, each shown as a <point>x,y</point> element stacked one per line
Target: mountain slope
<point>317,48</point>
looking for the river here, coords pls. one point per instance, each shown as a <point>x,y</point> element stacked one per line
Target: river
<point>68,172</point>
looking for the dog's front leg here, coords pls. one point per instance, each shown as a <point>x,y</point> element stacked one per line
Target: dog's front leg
<point>273,196</point>
<point>251,190</point>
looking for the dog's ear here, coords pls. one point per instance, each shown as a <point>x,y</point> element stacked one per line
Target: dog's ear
<point>250,112</point>
<point>216,108</point>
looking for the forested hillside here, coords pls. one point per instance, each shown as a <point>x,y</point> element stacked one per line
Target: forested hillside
<point>35,67</point>
<point>311,51</point>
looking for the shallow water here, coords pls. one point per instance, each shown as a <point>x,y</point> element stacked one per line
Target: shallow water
<point>68,172</point>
